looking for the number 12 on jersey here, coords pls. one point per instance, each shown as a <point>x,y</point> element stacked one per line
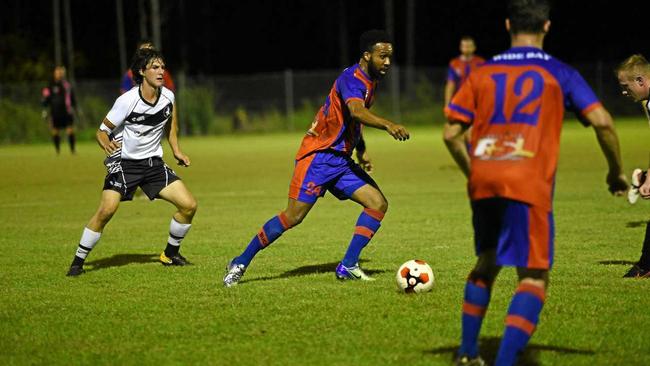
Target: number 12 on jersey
<point>533,97</point>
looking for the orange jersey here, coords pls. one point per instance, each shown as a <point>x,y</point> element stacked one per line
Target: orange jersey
<point>333,127</point>
<point>459,69</point>
<point>515,103</point>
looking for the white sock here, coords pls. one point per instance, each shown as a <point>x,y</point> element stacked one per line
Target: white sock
<point>177,232</point>
<point>88,241</point>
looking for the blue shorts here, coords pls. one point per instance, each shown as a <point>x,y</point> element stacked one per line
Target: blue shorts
<point>522,234</point>
<point>319,172</point>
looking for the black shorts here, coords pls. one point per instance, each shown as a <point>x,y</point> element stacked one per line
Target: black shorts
<point>152,175</point>
<point>61,121</point>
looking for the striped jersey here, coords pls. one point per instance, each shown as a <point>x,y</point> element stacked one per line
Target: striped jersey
<point>336,128</point>
<point>139,125</point>
<point>516,103</point>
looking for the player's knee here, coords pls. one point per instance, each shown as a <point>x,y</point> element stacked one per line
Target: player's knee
<point>536,277</point>
<point>383,206</point>
<point>294,218</point>
<point>378,203</point>
<point>486,277</point>
<point>190,207</point>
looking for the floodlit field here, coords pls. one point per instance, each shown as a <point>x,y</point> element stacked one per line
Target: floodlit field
<point>289,309</point>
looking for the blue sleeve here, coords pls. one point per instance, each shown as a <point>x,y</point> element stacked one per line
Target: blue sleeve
<point>579,95</point>
<point>452,76</point>
<point>350,87</point>
<point>127,83</point>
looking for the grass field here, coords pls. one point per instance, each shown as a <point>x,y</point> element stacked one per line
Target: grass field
<point>289,309</point>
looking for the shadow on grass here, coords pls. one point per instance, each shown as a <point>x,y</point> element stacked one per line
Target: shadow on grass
<point>636,223</point>
<point>489,347</point>
<point>120,260</point>
<point>618,262</point>
<point>312,269</point>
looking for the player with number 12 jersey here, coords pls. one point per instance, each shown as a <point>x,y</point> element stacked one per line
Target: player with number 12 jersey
<point>515,103</point>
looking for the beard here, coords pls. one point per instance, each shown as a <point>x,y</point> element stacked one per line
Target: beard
<point>374,71</point>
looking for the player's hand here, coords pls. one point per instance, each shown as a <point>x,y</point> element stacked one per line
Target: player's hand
<point>111,147</point>
<point>618,185</point>
<point>364,161</point>
<point>182,159</point>
<point>398,132</point>
<point>644,190</point>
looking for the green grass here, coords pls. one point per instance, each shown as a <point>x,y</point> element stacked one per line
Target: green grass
<point>289,310</point>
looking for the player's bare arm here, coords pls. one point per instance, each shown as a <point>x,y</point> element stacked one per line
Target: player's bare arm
<point>450,86</point>
<point>171,130</point>
<point>109,146</point>
<point>453,137</point>
<point>362,114</point>
<point>362,155</point>
<point>603,124</point>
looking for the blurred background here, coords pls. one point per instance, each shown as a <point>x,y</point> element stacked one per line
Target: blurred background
<point>258,66</point>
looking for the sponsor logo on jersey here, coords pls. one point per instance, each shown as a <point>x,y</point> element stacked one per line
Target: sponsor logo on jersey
<point>502,148</point>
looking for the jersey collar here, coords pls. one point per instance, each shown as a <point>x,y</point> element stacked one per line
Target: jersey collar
<point>158,93</point>
<point>363,73</point>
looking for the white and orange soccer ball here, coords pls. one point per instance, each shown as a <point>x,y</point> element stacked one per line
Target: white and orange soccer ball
<point>415,276</point>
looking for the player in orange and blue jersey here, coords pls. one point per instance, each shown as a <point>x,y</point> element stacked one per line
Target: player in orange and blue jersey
<point>324,163</point>
<point>515,103</point>
<point>460,67</point>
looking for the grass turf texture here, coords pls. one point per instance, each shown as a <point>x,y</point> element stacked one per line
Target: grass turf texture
<point>289,309</point>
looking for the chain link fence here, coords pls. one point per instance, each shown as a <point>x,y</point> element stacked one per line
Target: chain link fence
<point>217,104</point>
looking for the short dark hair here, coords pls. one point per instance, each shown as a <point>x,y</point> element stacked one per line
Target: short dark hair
<point>467,38</point>
<point>370,38</point>
<point>528,16</point>
<point>141,59</point>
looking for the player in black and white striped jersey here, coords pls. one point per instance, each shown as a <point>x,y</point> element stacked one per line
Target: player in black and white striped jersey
<point>131,135</point>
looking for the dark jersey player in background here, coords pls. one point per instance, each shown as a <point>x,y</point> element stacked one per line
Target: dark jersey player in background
<point>515,103</point>
<point>59,105</point>
<point>323,162</point>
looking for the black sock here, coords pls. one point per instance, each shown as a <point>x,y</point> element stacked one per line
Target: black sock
<point>172,250</point>
<point>71,141</point>
<point>644,261</point>
<point>77,261</point>
<point>57,142</point>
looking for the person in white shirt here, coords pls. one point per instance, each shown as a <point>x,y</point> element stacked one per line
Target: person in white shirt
<point>130,135</point>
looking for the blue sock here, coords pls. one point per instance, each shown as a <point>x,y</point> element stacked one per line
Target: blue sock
<point>522,319</point>
<point>475,303</point>
<point>367,225</point>
<point>267,235</point>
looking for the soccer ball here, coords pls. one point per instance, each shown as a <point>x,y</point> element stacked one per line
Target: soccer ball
<point>415,276</point>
